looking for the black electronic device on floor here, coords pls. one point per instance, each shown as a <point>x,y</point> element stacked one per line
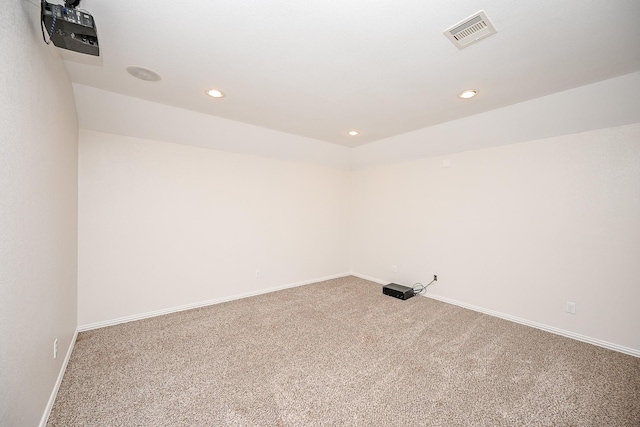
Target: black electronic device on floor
<point>70,28</point>
<point>398,291</point>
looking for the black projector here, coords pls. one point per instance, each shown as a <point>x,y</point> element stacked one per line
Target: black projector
<point>69,28</point>
<point>397,291</point>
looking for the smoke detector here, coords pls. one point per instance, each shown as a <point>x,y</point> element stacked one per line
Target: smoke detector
<point>470,30</point>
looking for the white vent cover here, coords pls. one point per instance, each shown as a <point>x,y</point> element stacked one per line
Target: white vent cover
<point>470,30</point>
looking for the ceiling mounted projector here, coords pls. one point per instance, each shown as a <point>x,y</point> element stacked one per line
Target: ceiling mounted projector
<point>69,28</point>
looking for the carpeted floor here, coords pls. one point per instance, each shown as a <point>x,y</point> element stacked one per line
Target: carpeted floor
<point>339,353</point>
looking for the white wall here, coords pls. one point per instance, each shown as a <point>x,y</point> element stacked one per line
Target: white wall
<point>608,103</point>
<point>110,112</point>
<point>518,229</point>
<point>163,225</point>
<point>38,215</point>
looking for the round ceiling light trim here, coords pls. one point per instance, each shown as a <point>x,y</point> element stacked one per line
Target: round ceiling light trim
<point>467,94</point>
<point>353,133</point>
<point>215,93</point>
<point>143,73</point>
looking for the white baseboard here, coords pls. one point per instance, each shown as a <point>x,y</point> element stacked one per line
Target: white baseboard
<point>547,328</point>
<point>371,279</point>
<point>56,387</point>
<point>199,304</point>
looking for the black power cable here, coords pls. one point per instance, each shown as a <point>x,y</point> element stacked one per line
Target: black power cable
<point>419,288</point>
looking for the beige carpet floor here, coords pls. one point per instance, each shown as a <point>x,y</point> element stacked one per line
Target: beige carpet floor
<point>339,353</point>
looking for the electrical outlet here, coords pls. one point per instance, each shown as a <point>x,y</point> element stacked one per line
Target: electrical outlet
<point>394,268</point>
<point>258,273</point>
<point>571,307</point>
<point>435,278</point>
<point>55,348</point>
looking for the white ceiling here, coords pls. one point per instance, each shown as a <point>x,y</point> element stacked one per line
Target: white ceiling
<point>319,68</point>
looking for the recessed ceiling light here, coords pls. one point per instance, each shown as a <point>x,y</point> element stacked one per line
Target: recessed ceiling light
<point>354,133</point>
<point>215,93</point>
<point>470,93</point>
<point>143,74</point>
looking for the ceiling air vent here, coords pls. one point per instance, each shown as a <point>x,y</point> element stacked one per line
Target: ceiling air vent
<point>470,30</point>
